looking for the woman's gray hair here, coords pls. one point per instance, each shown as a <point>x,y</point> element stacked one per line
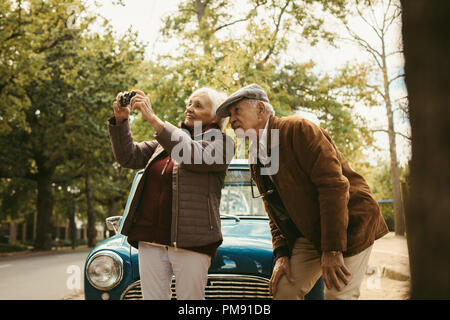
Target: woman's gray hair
<point>269,107</point>
<point>216,98</point>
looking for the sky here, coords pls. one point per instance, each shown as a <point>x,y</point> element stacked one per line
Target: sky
<point>145,17</point>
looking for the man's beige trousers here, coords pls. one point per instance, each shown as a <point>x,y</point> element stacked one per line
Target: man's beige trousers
<point>306,270</point>
<point>157,265</point>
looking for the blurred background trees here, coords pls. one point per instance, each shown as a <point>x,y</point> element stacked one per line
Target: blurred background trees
<point>383,17</point>
<point>61,67</point>
<point>58,78</point>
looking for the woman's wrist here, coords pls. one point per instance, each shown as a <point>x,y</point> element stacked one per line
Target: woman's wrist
<point>156,123</point>
<point>119,120</point>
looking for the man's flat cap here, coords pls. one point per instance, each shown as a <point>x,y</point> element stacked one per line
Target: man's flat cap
<point>252,91</point>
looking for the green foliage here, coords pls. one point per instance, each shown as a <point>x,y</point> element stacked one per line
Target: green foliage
<point>379,180</point>
<point>15,195</point>
<point>5,248</point>
<point>64,78</point>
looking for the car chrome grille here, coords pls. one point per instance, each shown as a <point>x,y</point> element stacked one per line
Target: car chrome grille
<point>218,287</point>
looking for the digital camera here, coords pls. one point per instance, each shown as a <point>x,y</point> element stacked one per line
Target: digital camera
<point>126,97</point>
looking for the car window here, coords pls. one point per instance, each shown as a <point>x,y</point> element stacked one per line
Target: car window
<point>237,197</point>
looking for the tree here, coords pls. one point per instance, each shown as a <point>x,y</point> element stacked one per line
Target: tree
<point>76,75</point>
<point>426,41</point>
<point>105,68</point>
<point>382,25</point>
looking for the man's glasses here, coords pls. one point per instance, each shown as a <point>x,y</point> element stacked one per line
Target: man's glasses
<point>262,194</point>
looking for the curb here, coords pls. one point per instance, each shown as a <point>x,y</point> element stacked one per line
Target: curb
<point>388,271</point>
<point>395,273</point>
<point>28,253</point>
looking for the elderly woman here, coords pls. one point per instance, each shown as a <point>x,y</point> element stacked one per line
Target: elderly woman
<point>174,216</point>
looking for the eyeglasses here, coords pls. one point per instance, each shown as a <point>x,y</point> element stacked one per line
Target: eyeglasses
<point>252,181</point>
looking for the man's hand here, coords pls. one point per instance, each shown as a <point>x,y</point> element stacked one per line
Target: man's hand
<point>120,113</point>
<point>282,266</point>
<point>333,269</point>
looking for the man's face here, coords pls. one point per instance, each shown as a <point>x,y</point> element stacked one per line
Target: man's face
<point>199,109</point>
<point>243,116</point>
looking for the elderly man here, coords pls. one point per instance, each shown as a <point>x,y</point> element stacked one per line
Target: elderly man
<point>323,216</point>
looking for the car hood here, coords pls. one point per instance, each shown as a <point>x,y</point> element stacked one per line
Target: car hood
<point>246,249</point>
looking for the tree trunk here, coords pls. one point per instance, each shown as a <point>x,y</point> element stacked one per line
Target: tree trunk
<point>427,50</point>
<point>34,226</point>
<point>44,211</point>
<point>57,232</point>
<point>72,224</point>
<point>24,232</point>
<point>91,231</point>
<point>395,172</point>
<point>12,233</point>
<point>67,231</point>
<point>200,9</point>
<point>399,224</point>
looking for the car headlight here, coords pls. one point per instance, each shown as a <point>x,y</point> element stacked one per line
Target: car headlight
<point>104,270</point>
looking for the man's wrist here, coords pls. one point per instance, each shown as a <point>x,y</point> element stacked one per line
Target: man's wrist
<point>281,251</point>
<point>334,253</point>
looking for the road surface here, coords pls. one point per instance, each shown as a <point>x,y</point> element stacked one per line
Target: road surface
<point>46,276</point>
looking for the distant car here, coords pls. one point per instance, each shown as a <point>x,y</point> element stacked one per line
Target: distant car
<point>241,269</point>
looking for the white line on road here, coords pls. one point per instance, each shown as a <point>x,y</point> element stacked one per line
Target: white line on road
<point>5,266</point>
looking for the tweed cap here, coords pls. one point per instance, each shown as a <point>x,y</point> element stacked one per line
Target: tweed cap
<point>252,91</point>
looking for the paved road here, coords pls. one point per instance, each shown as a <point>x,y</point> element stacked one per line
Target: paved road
<point>47,276</point>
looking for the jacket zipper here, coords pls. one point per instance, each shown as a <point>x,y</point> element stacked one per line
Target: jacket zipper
<point>176,208</point>
<point>165,165</point>
<point>210,214</point>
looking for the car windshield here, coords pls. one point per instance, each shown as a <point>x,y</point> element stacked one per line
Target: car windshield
<point>237,197</point>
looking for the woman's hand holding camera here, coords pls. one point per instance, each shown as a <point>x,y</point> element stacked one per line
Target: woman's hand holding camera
<point>138,102</point>
<point>120,113</point>
<point>142,103</point>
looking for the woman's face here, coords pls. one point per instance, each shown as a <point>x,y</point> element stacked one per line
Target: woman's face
<point>199,109</point>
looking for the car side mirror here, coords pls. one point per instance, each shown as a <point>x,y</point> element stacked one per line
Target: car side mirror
<point>112,223</point>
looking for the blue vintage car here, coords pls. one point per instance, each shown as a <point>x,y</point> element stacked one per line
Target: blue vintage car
<point>241,269</point>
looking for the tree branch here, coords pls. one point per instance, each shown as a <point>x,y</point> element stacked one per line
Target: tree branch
<point>394,52</point>
<point>365,45</point>
<point>386,131</point>
<point>275,33</point>
<point>397,13</point>
<point>54,43</point>
<point>374,87</point>
<point>396,77</point>
<point>368,23</point>
<point>230,24</point>
<point>14,35</point>
<point>385,15</point>
<point>10,175</point>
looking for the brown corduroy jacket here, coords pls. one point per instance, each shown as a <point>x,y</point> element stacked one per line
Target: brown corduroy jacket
<point>331,204</point>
